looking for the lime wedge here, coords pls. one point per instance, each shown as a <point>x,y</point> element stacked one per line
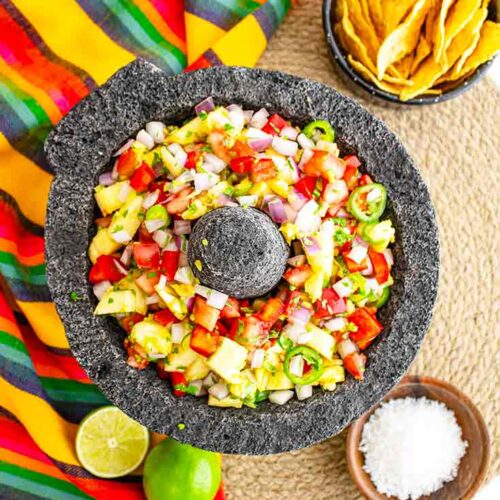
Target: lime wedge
<point>110,444</point>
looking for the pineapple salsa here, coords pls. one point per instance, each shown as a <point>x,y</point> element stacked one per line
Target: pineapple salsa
<point>313,327</point>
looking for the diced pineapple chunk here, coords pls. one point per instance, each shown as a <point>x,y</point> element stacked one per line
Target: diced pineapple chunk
<point>176,305</point>
<point>153,337</point>
<point>278,187</point>
<point>108,198</point>
<point>170,162</point>
<point>314,286</point>
<point>102,244</point>
<point>129,217</point>
<point>332,375</point>
<point>279,382</point>
<point>116,301</point>
<point>261,378</point>
<point>197,370</point>
<point>227,402</point>
<point>128,283</point>
<point>320,341</point>
<point>193,131</point>
<point>246,387</point>
<point>228,360</point>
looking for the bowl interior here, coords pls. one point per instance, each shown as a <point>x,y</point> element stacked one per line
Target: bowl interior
<point>474,464</point>
<point>81,147</point>
<point>339,56</point>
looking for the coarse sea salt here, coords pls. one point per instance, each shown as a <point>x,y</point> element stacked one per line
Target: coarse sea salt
<point>412,446</point>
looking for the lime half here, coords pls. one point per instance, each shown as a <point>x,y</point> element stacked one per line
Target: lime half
<point>110,444</point>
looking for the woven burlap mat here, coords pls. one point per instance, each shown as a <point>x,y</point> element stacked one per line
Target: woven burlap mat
<point>456,147</point>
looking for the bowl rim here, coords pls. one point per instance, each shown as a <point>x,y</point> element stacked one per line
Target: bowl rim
<point>271,428</point>
<point>363,481</point>
<point>337,55</point>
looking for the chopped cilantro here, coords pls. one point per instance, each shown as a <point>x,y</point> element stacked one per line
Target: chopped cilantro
<point>203,115</point>
<point>188,389</point>
<point>180,367</point>
<point>247,309</point>
<point>152,274</point>
<point>339,221</point>
<point>341,237</point>
<point>157,161</point>
<point>229,191</point>
<point>189,133</point>
<point>228,127</point>
<point>316,193</point>
<point>117,228</point>
<point>74,296</point>
<point>125,213</point>
<point>181,426</point>
<point>110,300</point>
<point>206,148</point>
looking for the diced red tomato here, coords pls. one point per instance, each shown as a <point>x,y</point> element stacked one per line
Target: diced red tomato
<point>137,357</point>
<point>165,317</point>
<point>130,320</point>
<point>241,148</point>
<point>147,281</point>
<point>271,311</point>
<point>329,304</point>
<point>146,255</point>
<point>297,276</point>
<point>192,159</point>
<point>262,170</point>
<point>231,309</point>
<point>221,329</point>
<point>380,267</point>
<point>144,235</point>
<point>217,143</point>
<point>204,314</point>
<point>242,164</point>
<point>105,268</point>
<point>127,163</point>
<point>368,327</point>
<point>248,331</point>
<point>274,125</point>
<point>103,221</point>
<point>203,341</point>
<point>324,164</point>
<point>355,364</point>
<point>351,176</point>
<point>179,382</point>
<point>142,177</point>
<point>352,265</point>
<point>352,161</point>
<point>180,203</point>
<point>365,179</point>
<point>169,263</point>
<point>306,186</point>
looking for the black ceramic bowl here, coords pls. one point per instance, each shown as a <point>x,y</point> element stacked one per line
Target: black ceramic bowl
<point>80,148</point>
<point>339,55</point>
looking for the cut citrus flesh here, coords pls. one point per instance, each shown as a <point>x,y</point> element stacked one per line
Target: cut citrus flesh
<point>110,444</point>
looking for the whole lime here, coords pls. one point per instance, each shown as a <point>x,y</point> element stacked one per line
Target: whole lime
<point>176,471</point>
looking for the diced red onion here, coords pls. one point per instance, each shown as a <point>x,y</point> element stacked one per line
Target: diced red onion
<point>346,347</point>
<point>306,156</point>
<point>216,164</point>
<point>121,236</point>
<point>198,385</point>
<point>248,201</point>
<point>335,324</point>
<point>114,171</point>
<point>154,224</point>
<point>209,380</point>
<point>342,213</point>
<point>389,258</point>
<point>163,281</point>
<point>182,243</point>
<point>177,332</point>
<point>290,213</point>
<point>100,288</point>
<point>150,199</point>
<point>305,142</point>
<point>293,329</point>
<point>203,182</point>
<point>144,138</point>
<point>369,270</point>
<point>236,116</point>
<point>120,267</point>
<point>124,192</point>
<point>126,257</point>
<point>177,188</point>
<point>338,166</point>
<point>226,201</point>
<point>277,210</point>
<point>304,338</point>
<point>295,174</point>
<point>296,366</point>
<point>308,219</point>
<point>338,307</point>
<point>373,194</point>
<point>297,200</point>
<point>255,133</point>
<point>298,260</point>
<point>156,130</point>
<point>190,304</point>
<point>106,179</point>
<point>284,146</point>
<point>301,315</point>
<point>152,299</point>
<point>257,358</point>
<point>184,275</point>
<point>260,144</point>
<point>259,119</point>
<point>358,241</point>
<point>248,115</point>
<point>183,260</point>
<point>303,391</point>
<point>182,227</point>
<point>343,287</point>
<point>289,133</point>
<point>203,291</point>
<point>186,177</point>
<point>280,397</point>
<point>336,192</point>
<point>311,245</point>
<point>179,154</point>
<point>358,253</point>
<point>161,237</point>
<point>219,390</point>
<point>124,148</point>
<point>373,285</point>
<point>206,105</point>
<point>217,299</point>
<point>172,246</point>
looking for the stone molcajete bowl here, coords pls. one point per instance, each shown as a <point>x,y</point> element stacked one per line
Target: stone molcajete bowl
<point>81,147</point>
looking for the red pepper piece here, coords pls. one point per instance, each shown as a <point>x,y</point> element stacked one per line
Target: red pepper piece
<point>271,311</point>
<point>368,327</point>
<point>231,309</point>
<point>127,162</point>
<point>203,341</point>
<point>169,263</point>
<point>142,177</point>
<point>165,317</point>
<point>262,170</point>
<point>129,321</point>
<point>352,265</point>
<point>204,314</point>
<point>306,186</point>
<point>177,379</point>
<point>355,364</point>
<point>329,304</point>
<point>105,268</point>
<point>147,255</point>
<point>274,125</point>
<point>242,164</point>
<point>380,267</point>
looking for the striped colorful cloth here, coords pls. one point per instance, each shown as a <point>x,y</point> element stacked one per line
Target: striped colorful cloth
<point>53,53</point>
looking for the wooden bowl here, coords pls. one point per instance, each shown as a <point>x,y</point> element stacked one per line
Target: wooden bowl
<point>474,464</point>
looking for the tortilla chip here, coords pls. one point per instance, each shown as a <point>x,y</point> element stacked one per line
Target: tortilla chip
<point>394,11</point>
<point>365,30</point>
<point>403,39</point>
<point>439,34</point>
<point>404,65</point>
<point>430,70</point>
<point>352,43</point>
<point>430,22</point>
<point>375,11</point>
<point>457,69</point>
<point>422,51</point>
<point>370,76</point>
<point>487,46</point>
<point>460,14</point>
<point>433,92</point>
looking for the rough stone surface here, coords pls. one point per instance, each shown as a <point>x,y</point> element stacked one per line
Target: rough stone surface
<point>80,148</point>
<point>241,252</point>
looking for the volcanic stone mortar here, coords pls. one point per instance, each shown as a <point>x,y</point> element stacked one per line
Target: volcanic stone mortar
<point>239,251</point>
<point>80,148</point>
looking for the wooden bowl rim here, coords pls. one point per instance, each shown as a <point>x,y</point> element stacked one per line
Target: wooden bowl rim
<point>362,479</point>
